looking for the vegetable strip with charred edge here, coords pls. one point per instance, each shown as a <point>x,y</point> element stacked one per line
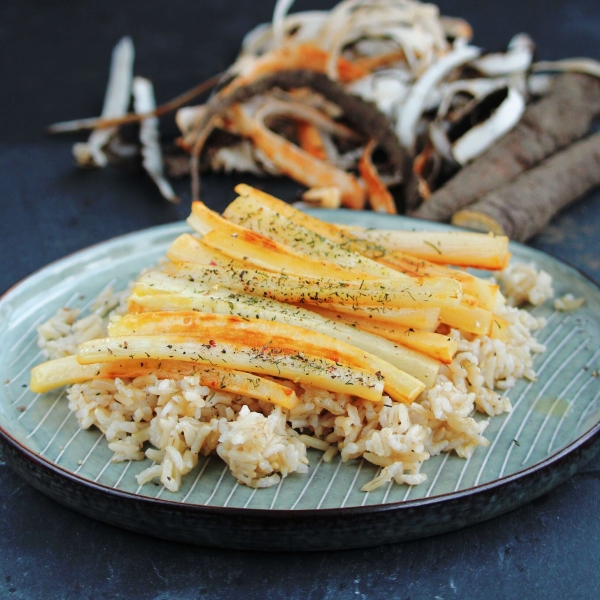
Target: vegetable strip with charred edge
<point>202,219</point>
<point>525,206</point>
<point>220,250</point>
<point>269,334</point>
<point>394,316</point>
<point>558,119</point>
<point>469,318</point>
<point>485,292</point>
<point>420,292</point>
<point>288,364</point>
<point>67,371</point>
<point>254,198</point>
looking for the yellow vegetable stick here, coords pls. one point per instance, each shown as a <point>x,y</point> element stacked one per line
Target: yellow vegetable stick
<point>466,249</point>
<point>420,319</point>
<point>187,248</point>
<point>416,293</point>
<point>472,319</point>
<point>402,316</point>
<point>144,298</point>
<point>248,212</point>
<point>202,219</point>
<point>437,346</point>
<point>297,366</point>
<point>484,291</point>
<point>259,333</point>
<point>264,253</point>
<point>62,371</point>
<point>67,371</point>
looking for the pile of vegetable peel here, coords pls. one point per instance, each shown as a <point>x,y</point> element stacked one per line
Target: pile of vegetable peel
<point>383,104</point>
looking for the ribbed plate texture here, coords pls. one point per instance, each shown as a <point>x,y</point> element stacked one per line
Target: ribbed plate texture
<point>547,415</point>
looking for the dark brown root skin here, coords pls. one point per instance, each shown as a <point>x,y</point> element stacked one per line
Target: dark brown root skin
<point>524,207</point>
<point>557,120</point>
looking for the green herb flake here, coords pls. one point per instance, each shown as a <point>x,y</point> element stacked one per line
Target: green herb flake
<point>433,246</point>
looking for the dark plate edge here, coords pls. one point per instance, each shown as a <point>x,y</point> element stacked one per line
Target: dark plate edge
<point>44,463</point>
<point>302,530</point>
<point>585,446</point>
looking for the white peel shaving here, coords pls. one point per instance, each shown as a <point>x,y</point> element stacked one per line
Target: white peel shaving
<point>143,98</point>
<point>116,102</point>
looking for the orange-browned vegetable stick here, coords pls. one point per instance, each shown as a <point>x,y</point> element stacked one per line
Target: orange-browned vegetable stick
<point>370,63</point>
<point>67,371</point>
<point>258,333</point>
<point>435,345</point>
<point>379,196</point>
<point>363,117</point>
<point>484,291</point>
<point>262,253</point>
<point>310,140</point>
<point>297,56</point>
<point>288,364</point>
<point>296,163</point>
<point>464,249</point>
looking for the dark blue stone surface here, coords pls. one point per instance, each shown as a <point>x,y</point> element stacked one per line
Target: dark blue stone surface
<point>53,66</point>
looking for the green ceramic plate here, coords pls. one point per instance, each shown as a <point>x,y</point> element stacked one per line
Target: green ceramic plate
<point>548,416</point>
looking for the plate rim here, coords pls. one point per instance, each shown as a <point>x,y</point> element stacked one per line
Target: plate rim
<point>588,436</point>
<point>280,513</point>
